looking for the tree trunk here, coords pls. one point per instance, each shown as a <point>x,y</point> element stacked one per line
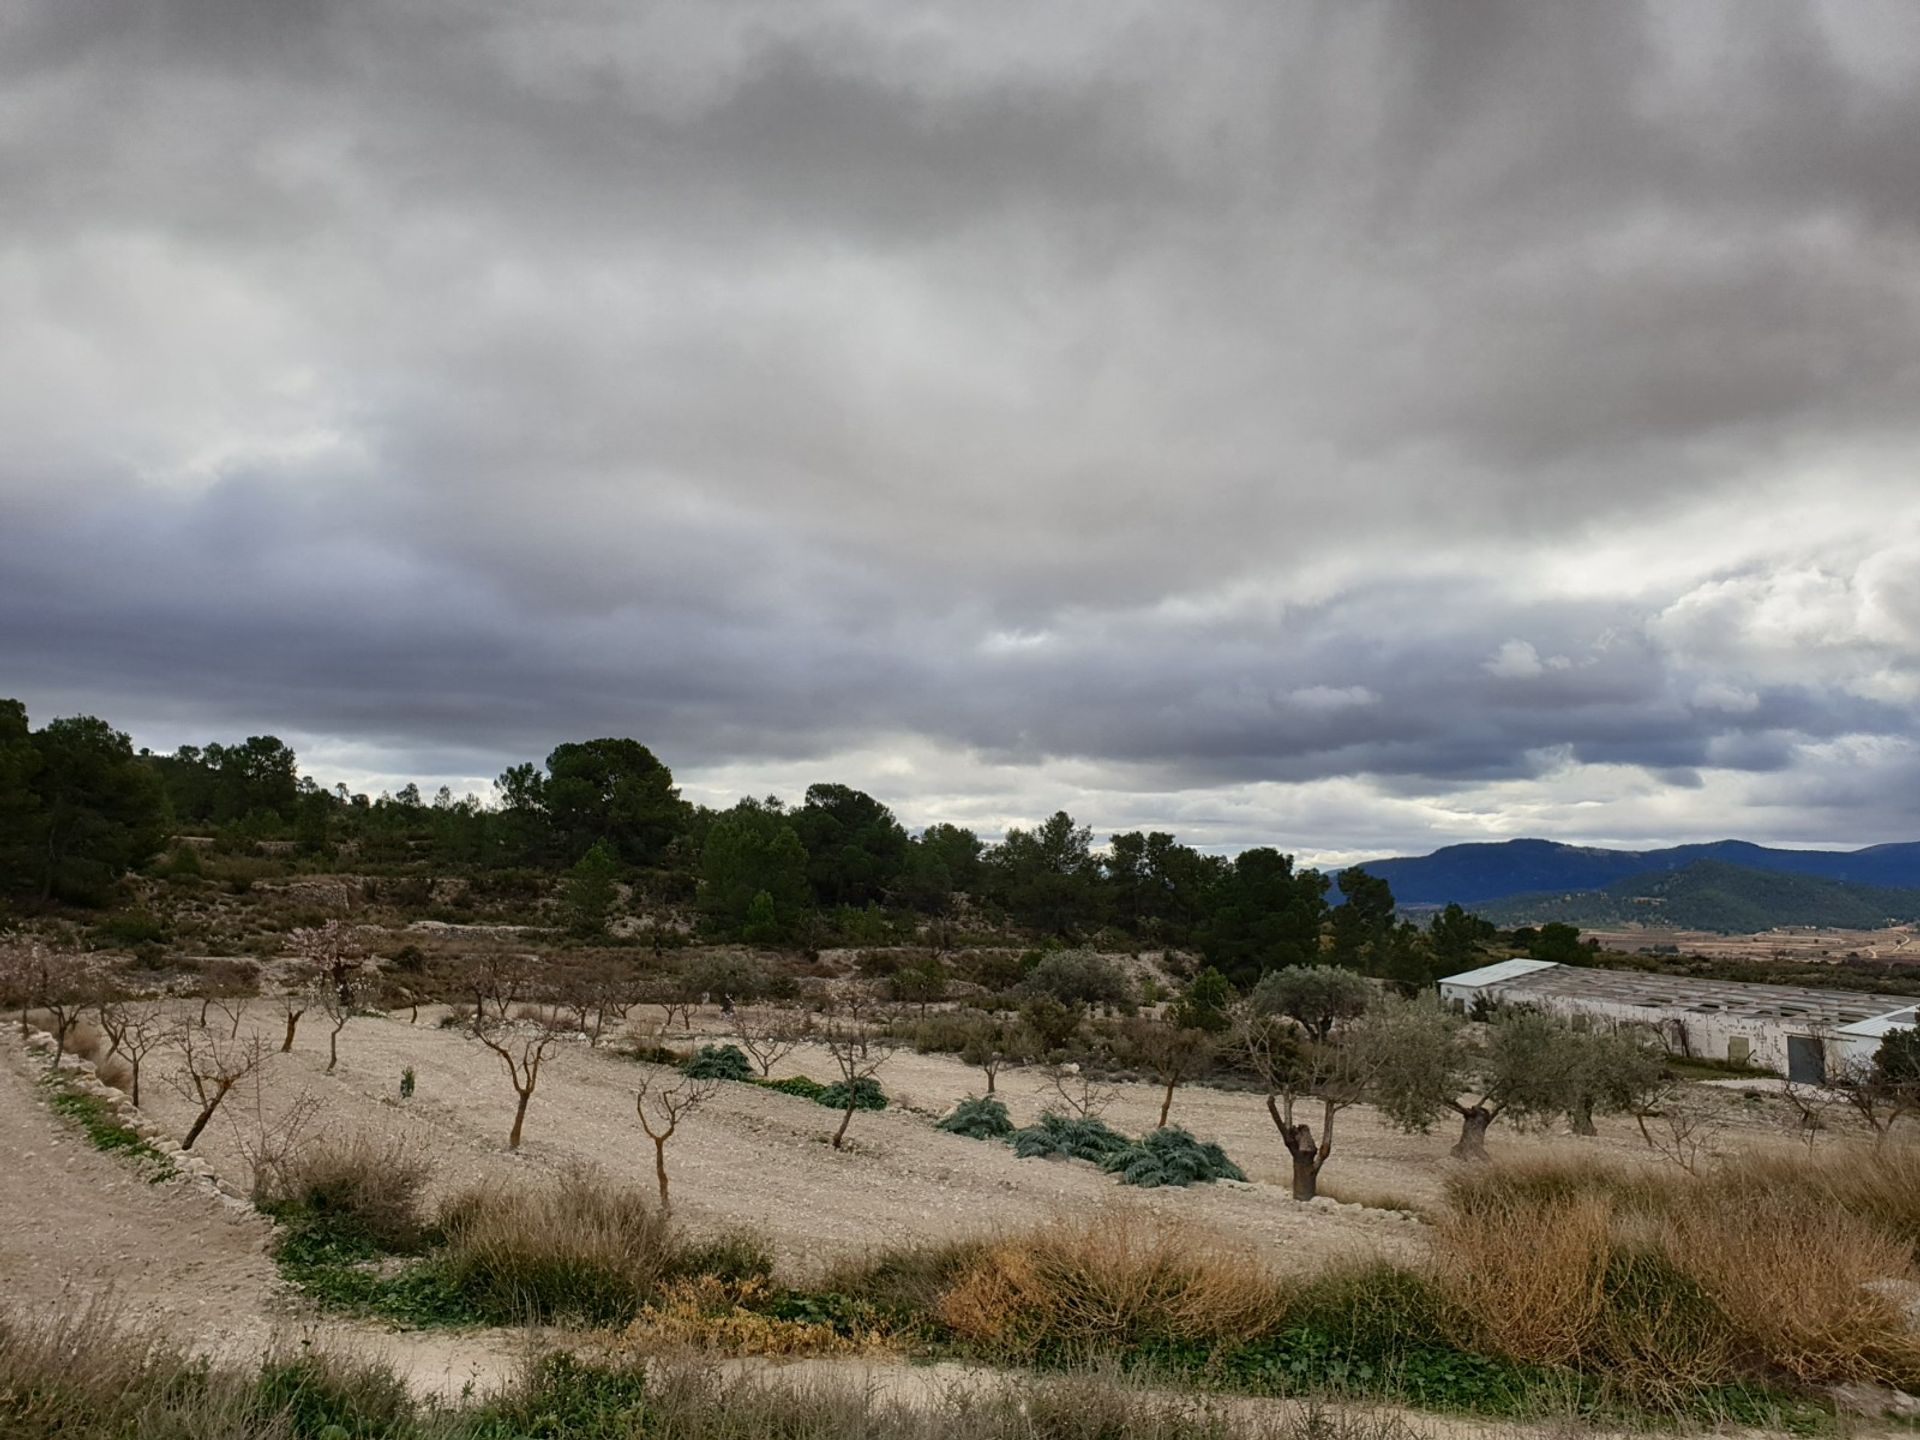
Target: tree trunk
<point>1472,1144</point>
<point>293,1022</point>
<point>660,1172</point>
<point>206,1114</point>
<point>136,1084</point>
<point>846,1119</point>
<point>519,1116</point>
<point>1582,1116</point>
<point>1166,1103</point>
<point>1306,1158</point>
<point>1306,1175</point>
<point>333,1049</point>
<point>990,1078</point>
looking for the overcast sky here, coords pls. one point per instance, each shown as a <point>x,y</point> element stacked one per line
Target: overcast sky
<point>1351,427</point>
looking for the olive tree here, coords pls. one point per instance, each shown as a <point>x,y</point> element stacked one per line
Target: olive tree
<point>1300,1070</point>
<point>1610,1070</point>
<point>1423,1062</point>
<point>1318,997</point>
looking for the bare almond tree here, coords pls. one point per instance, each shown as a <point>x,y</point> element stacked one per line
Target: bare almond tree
<point>26,968</point>
<point>293,1005</point>
<point>858,1049</point>
<point>523,1047</point>
<point>340,1003</point>
<point>595,995</point>
<point>1172,1052</point>
<point>498,979</point>
<point>332,953</point>
<point>210,1066</point>
<point>664,1099</point>
<point>768,1035</point>
<point>1077,1091</point>
<point>234,1007</point>
<point>672,992</point>
<point>73,987</point>
<point>269,1142</point>
<point>133,1032</point>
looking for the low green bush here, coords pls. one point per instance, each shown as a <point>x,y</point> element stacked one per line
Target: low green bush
<point>1067,1137</point>
<point>1170,1156</point>
<point>867,1095</point>
<point>798,1085</point>
<point>978,1118</point>
<point>719,1062</point>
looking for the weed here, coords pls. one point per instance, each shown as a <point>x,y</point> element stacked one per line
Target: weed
<point>105,1130</point>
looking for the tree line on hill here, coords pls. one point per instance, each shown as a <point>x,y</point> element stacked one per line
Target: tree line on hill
<point>80,807</point>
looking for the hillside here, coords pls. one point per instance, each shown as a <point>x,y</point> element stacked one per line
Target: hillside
<point>1475,874</point>
<point>1713,895</point>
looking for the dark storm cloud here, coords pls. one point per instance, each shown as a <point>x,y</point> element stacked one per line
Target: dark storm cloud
<point>1203,397</point>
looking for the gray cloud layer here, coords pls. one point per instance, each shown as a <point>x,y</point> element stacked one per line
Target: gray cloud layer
<point>1349,426</point>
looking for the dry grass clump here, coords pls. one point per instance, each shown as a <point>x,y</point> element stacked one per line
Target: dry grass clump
<point>1668,1284</point>
<point>1813,1288</point>
<point>88,1376</point>
<point>359,1187</point>
<point>1879,1184</point>
<point>579,1248</point>
<point>1108,1282</point>
<point>707,1312</point>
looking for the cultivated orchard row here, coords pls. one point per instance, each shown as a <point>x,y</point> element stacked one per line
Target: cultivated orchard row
<point>1307,1043</point>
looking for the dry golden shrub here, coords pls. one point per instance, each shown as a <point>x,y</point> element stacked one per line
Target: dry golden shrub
<point>1531,1272</point>
<point>1880,1183</point>
<point>1814,1289</point>
<point>705,1312</point>
<point>1109,1281</point>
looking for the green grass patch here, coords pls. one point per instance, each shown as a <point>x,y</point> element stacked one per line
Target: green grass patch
<point>796,1085</point>
<point>105,1130</point>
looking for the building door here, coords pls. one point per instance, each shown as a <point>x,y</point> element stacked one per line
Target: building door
<point>1806,1060</point>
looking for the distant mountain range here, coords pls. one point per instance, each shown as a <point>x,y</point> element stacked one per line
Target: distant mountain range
<point>1476,875</point>
<point>1713,895</point>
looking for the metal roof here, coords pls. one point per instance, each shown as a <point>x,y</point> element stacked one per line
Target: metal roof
<point>1740,999</point>
<point>1499,971</point>
<point>1879,1025</point>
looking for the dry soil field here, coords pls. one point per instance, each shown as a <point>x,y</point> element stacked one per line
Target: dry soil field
<point>78,1227</point>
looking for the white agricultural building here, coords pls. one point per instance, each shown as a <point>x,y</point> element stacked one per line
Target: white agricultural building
<point>1804,1034</point>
